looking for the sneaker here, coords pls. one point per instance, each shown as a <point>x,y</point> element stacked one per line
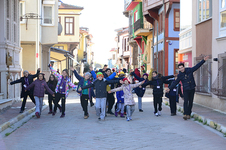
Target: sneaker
<point>53,114</point>
<point>50,112</point>
<point>185,117</point>
<point>86,117</point>
<point>37,115</point>
<point>99,118</point>
<point>122,116</point>
<point>21,111</point>
<point>130,118</point>
<point>125,113</point>
<point>60,108</point>
<point>116,114</point>
<point>156,114</point>
<point>188,117</point>
<point>140,110</point>
<point>127,119</point>
<point>91,104</point>
<point>159,113</point>
<point>173,114</point>
<point>62,116</point>
<point>111,113</point>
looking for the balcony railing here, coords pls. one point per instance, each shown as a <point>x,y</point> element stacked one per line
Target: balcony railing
<point>138,25</point>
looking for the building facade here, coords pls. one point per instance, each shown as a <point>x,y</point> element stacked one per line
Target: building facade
<point>10,50</point>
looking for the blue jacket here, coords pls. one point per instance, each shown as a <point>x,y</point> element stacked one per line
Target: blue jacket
<point>120,96</point>
<point>187,77</point>
<point>139,91</point>
<point>81,82</point>
<point>158,84</point>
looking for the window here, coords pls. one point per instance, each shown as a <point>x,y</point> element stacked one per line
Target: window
<point>15,21</point>
<point>176,19</point>
<point>222,18</point>
<point>69,26</point>
<point>204,10</point>
<point>204,77</point>
<point>176,61</point>
<point>135,16</point>
<point>60,47</point>
<point>48,15</point>
<point>125,44</point>
<point>59,20</point>
<point>8,20</point>
<point>22,11</point>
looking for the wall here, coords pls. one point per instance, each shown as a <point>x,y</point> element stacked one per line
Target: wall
<point>28,55</point>
<point>173,33</point>
<point>171,58</point>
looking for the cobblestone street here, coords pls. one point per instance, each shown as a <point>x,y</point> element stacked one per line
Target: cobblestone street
<point>145,131</point>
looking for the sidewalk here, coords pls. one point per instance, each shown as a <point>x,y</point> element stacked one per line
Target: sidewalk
<point>207,116</point>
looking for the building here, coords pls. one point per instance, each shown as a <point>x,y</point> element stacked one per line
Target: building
<point>39,28</point>
<point>63,52</point>
<point>112,60</point>
<point>165,19</point>
<point>10,50</point>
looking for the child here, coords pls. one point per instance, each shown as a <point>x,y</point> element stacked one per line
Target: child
<point>52,85</point>
<point>86,93</point>
<point>140,90</point>
<point>25,81</point>
<point>128,96</point>
<point>39,91</point>
<point>157,82</point>
<point>120,103</point>
<point>173,95</point>
<point>62,89</point>
<point>101,93</point>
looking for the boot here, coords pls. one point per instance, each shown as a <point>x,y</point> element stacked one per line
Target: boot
<point>122,115</point>
<point>116,114</point>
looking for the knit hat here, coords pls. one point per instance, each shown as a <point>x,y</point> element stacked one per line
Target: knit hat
<point>25,71</point>
<point>100,74</point>
<point>126,79</point>
<point>145,74</point>
<point>87,73</point>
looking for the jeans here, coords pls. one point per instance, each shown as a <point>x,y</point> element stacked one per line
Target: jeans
<point>26,94</point>
<point>129,110</point>
<point>59,96</point>
<point>188,101</point>
<point>100,107</point>
<point>120,107</point>
<point>139,102</point>
<point>39,103</point>
<point>157,101</point>
<point>84,103</point>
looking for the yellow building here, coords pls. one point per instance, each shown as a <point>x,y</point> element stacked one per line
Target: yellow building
<point>64,52</point>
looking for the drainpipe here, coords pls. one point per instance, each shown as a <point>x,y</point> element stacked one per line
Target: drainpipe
<point>164,17</point>
<point>153,50</point>
<point>37,38</point>
<point>157,49</point>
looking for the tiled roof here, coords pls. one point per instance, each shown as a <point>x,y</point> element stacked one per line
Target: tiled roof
<point>68,6</point>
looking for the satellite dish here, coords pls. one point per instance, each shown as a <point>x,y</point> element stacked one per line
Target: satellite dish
<point>59,28</point>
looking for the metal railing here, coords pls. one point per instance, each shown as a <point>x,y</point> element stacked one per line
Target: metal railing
<point>138,25</point>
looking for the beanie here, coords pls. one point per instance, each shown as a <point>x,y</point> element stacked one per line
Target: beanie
<point>145,74</point>
<point>87,73</point>
<point>100,74</point>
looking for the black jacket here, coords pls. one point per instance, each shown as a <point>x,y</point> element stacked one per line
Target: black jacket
<point>22,81</point>
<point>187,77</point>
<point>177,90</point>
<point>158,84</point>
<point>100,86</point>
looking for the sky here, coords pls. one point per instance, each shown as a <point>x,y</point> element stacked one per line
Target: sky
<point>102,17</point>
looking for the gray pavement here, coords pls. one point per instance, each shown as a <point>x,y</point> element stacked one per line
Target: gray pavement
<point>145,131</point>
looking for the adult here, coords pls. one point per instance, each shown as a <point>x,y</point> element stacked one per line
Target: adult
<point>25,81</point>
<point>186,77</point>
<point>104,69</point>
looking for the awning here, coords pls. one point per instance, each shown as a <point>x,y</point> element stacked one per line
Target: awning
<point>60,54</point>
<point>131,6</point>
<point>138,39</point>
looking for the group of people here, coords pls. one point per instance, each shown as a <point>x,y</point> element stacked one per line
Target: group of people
<point>101,86</point>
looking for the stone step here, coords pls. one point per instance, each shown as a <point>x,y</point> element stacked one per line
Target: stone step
<point>1,95</point>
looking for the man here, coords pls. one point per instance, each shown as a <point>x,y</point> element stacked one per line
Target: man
<point>104,69</point>
<point>25,82</point>
<point>186,77</point>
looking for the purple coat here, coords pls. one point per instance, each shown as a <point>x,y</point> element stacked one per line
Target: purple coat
<point>39,88</point>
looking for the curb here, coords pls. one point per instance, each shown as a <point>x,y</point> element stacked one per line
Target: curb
<point>18,118</point>
<point>201,119</point>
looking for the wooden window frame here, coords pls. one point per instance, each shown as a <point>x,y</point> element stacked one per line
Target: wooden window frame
<point>174,17</point>
<point>175,67</point>
<point>72,25</point>
<point>135,16</point>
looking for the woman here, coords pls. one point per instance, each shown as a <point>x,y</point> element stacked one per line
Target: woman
<point>62,89</point>
<point>39,90</point>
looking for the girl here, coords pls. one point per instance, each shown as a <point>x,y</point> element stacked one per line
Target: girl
<point>39,91</point>
<point>86,93</point>
<point>140,90</point>
<point>128,96</point>
<point>157,82</point>
<point>52,85</point>
<point>62,89</point>
<point>173,96</point>
<point>120,103</point>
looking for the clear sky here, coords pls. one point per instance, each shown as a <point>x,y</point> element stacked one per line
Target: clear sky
<point>102,17</point>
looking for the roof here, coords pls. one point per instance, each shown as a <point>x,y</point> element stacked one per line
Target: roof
<point>113,49</point>
<point>68,6</point>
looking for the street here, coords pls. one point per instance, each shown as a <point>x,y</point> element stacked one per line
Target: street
<point>145,131</point>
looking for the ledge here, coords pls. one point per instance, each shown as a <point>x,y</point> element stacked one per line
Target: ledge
<point>2,101</point>
<point>221,38</point>
<point>204,94</point>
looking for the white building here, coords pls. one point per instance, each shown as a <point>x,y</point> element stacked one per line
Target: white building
<point>9,48</point>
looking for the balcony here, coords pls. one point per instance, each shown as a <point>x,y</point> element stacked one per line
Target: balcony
<point>138,25</point>
<point>130,4</point>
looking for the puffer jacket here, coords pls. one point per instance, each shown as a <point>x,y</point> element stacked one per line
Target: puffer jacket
<point>187,77</point>
<point>39,88</point>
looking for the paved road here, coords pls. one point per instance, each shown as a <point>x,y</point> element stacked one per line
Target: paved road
<point>145,131</point>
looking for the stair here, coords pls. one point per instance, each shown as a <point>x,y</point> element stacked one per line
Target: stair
<point>1,95</point>
<point>4,102</point>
